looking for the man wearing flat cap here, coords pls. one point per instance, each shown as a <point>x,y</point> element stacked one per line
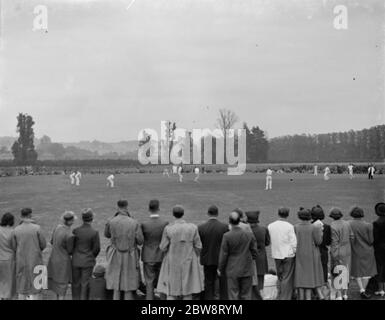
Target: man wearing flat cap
<point>86,249</point>
<point>379,246</point>
<point>59,264</point>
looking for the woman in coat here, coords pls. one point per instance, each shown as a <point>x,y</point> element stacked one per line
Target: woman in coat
<point>181,274</point>
<point>379,246</point>
<point>308,266</point>
<point>262,237</point>
<point>59,264</point>
<point>340,250</point>
<point>318,216</point>
<point>363,261</point>
<point>7,258</point>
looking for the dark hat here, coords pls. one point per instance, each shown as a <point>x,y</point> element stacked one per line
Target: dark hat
<point>68,216</point>
<point>252,216</point>
<point>380,209</point>
<point>304,214</point>
<point>317,213</point>
<point>99,270</point>
<point>213,210</point>
<point>357,212</point>
<point>335,213</point>
<point>87,215</point>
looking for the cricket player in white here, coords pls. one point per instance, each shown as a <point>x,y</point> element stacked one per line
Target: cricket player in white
<point>350,169</point>
<point>269,179</point>
<point>180,174</point>
<point>316,170</point>
<point>72,178</point>
<point>196,171</point>
<point>78,176</point>
<point>110,181</point>
<point>326,174</point>
<point>371,171</point>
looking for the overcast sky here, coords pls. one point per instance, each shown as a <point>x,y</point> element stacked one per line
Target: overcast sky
<point>105,72</point>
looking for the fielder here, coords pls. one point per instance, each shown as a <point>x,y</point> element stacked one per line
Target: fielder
<point>316,170</point>
<point>72,178</point>
<point>180,174</point>
<point>371,172</point>
<point>196,171</point>
<point>110,181</point>
<point>78,176</point>
<point>269,179</point>
<point>326,174</point>
<point>350,169</point>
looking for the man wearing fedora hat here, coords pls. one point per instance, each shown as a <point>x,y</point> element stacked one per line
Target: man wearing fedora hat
<point>86,249</point>
<point>262,237</point>
<point>379,246</point>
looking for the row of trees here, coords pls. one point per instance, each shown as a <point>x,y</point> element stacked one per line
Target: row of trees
<point>362,145</point>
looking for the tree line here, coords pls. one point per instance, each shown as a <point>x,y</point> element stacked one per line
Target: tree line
<point>361,146</point>
<point>365,145</point>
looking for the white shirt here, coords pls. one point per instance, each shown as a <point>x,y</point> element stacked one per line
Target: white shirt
<point>269,172</point>
<point>327,170</point>
<point>111,177</point>
<point>196,170</point>
<point>283,239</point>
<point>78,175</point>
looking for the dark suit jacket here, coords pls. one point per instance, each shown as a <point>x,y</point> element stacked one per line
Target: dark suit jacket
<point>262,237</point>
<point>211,234</point>
<point>152,232</point>
<point>86,246</point>
<point>379,245</point>
<point>237,252</point>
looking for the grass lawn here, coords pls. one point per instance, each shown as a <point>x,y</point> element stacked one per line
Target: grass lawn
<point>49,196</point>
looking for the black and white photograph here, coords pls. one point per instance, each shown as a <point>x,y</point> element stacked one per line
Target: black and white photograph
<point>209,152</point>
